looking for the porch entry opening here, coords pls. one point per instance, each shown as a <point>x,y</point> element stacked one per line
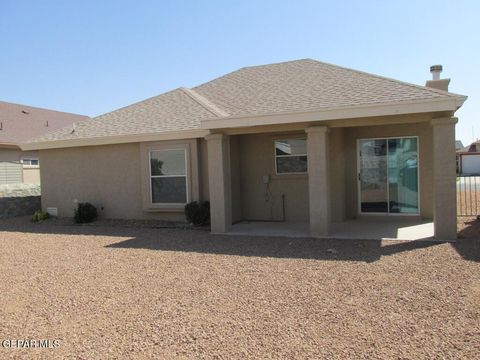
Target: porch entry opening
<point>388,175</point>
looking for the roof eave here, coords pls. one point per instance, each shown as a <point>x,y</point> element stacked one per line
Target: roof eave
<point>350,112</point>
<point>110,140</point>
<point>9,145</point>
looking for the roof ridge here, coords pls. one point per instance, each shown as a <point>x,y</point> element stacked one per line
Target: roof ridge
<point>437,91</point>
<point>203,101</point>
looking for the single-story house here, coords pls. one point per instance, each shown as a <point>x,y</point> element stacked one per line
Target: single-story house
<point>468,159</point>
<point>19,123</point>
<point>300,142</point>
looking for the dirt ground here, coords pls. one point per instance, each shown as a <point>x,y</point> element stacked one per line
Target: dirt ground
<point>135,292</point>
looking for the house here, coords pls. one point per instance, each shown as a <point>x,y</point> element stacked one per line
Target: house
<point>468,159</point>
<point>300,142</point>
<point>19,123</point>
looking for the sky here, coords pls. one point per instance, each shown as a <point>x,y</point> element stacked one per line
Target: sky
<point>92,57</point>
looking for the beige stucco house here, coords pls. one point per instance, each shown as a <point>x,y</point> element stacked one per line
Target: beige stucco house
<point>299,142</point>
<point>19,123</point>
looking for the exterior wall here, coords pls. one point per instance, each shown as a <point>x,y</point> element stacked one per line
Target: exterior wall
<point>110,176</point>
<point>107,176</point>
<point>337,174</point>
<point>257,158</point>
<point>29,175</point>
<point>422,130</point>
<point>235,178</point>
<point>470,164</point>
<point>203,169</point>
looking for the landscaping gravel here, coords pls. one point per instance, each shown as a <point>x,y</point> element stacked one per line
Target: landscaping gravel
<point>108,292</point>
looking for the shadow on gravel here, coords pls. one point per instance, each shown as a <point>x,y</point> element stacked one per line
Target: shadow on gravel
<point>468,243</point>
<point>316,249</point>
<point>199,241</point>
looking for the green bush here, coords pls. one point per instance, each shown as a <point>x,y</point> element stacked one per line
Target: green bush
<point>198,213</point>
<point>85,213</point>
<point>40,215</point>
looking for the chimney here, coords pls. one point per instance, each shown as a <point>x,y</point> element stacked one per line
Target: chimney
<point>436,82</point>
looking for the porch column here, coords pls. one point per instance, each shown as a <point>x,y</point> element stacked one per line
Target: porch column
<point>218,147</point>
<point>318,179</point>
<point>444,179</point>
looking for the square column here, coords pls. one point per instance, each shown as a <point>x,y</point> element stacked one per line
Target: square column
<point>318,179</point>
<point>444,179</point>
<point>218,147</point>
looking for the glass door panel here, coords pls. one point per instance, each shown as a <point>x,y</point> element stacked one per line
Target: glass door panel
<point>403,175</point>
<point>373,176</point>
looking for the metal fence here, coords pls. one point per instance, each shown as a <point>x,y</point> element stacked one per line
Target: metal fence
<point>468,195</point>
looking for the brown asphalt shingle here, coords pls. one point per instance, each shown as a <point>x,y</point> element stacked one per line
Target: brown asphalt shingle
<point>20,123</point>
<point>294,86</point>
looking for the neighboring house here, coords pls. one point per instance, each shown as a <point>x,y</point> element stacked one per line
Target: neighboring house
<point>19,123</point>
<point>468,159</point>
<point>300,141</point>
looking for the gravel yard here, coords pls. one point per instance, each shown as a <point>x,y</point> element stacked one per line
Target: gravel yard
<point>136,292</point>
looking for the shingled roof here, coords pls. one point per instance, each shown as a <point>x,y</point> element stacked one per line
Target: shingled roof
<point>288,87</point>
<point>19,123</point>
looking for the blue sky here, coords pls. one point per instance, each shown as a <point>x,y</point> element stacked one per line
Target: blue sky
<point>91,57</point>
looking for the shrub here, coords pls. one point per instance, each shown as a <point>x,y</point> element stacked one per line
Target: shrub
<point>85,213</point>
<point>198,213</point>
<point>40,215</point>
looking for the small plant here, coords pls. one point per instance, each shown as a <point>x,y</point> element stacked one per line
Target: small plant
<point>40,215</point>
<point>85,213</point>
<point>198,213</point>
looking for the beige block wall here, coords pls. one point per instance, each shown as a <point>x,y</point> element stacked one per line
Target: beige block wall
<point>257,158</point>
<point>107,176</point>
<point>422,130</point>
<point>110,176</point>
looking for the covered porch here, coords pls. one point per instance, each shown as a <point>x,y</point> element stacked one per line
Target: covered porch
<point>250,196</point>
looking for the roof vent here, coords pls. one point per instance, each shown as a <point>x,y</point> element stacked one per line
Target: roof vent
<point>436,70</point>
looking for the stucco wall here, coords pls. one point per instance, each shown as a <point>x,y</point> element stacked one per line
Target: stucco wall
<point>422,130</point>
<point>107,176</point>
<point>257,158</point>
<point>110,176</point>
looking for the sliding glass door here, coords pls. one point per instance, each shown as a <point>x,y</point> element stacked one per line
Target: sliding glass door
<point>388,175</point>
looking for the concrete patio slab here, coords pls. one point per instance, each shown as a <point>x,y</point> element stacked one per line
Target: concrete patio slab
<point>375,228</point>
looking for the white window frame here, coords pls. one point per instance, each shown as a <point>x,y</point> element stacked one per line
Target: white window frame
<point>284,156</point>
<point>29,165</point>
<point>187,187</point>
<point>191,148</point>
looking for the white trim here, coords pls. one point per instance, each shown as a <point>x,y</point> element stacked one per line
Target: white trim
<point>186,176</point>
<point>192,172</point>
<point>359,199</point>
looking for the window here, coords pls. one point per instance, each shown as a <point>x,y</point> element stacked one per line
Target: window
<point>291,156</point>
<point>30,162</point>
<point>168,176</point>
